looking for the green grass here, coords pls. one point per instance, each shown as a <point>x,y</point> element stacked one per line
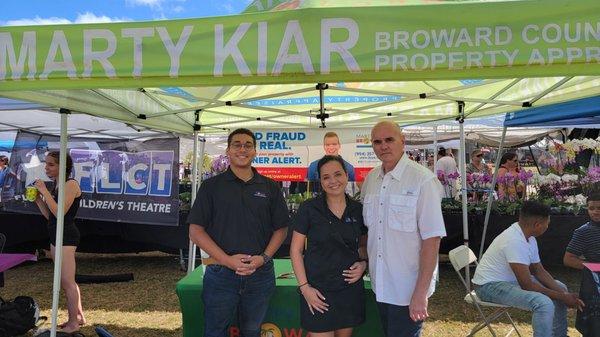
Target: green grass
<point>148,306</point>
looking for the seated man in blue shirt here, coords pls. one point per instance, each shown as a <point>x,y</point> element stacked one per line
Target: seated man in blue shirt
<point>331,145</point>
<point>585,243</point>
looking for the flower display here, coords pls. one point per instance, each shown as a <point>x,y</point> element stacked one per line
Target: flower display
<point>563,193</point>
<point>565,153</point>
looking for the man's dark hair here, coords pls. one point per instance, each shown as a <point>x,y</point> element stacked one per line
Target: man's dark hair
<point>533,209</point>
<point>326,159</point>
<point>4,159</point>
<point>441,151</point>
<point>593,196</point>
<point>241,131</point>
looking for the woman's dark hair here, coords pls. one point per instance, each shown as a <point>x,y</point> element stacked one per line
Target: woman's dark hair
<point>326,159</point>
<point>56,156</point>
<point>507,156</point>
<point>4,159</point>
<point>241,131</point>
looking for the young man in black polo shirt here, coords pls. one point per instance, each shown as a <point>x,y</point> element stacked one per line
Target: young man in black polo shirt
<point>585,243</point>
<point>240,219</point>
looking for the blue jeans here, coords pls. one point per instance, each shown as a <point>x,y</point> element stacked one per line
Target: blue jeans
<point>396,321</point>
<point>224,292</point>
<point>549,316</point>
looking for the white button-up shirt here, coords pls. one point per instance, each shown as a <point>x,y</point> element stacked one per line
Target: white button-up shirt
<point>401,209</point>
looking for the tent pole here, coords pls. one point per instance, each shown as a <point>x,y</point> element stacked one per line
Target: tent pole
<point>435,148</point>
<point>198,179</point>
<point>192,246</point>
<point>322,116</point>
<point>491,193</point>
<point>534,161</point>
<point>463,182</point>
<point>60,219</point>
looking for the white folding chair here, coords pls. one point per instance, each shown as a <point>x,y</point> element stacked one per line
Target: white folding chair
<point>462,257</point>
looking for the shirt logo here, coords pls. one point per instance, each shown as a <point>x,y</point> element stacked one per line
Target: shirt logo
<point>348,219</point>
<point>260,194</point>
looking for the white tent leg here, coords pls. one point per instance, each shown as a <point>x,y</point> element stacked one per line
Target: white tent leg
<point>60,219</point>
<point>435,148</point>
<point>192,246</point>
<point>463,182</point>
<point>198,179</point>
<point>491,193</point>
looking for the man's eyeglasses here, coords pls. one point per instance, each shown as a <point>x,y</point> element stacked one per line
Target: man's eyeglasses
<point>238,146</point>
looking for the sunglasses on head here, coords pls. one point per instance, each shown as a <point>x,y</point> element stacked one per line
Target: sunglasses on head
<point>479,155</point>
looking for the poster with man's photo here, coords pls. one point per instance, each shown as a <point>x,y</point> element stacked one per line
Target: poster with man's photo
<point>293,155</point>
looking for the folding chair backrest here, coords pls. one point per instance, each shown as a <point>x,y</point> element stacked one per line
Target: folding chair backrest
<point>2,241</point>
<point>461,257</point>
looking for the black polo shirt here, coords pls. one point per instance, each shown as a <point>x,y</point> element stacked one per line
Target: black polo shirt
<point>240,216</point>
<point>332,243</point>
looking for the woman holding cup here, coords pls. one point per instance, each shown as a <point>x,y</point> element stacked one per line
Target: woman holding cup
<point>47,203</point>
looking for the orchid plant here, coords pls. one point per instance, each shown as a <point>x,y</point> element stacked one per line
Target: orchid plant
<point>563,154</point>
<point>215,166</point>
<point>448,183</point>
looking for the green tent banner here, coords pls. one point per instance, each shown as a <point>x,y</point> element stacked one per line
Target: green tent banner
<point>309,45</point>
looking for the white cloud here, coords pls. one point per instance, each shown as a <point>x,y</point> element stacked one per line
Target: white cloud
<point>177,9</point>
<point>86,17</point>
<point>227,7</point>
<point>153,4</point>
<point>37,21</point>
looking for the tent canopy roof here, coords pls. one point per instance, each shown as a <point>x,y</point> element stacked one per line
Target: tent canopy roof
<point>579,112</point>
<point>261,69</point>
<point>17,115</point>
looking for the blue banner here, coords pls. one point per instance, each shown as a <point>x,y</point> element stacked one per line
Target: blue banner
<point>121,181</point>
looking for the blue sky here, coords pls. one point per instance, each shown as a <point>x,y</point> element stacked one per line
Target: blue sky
<point>34,12</point>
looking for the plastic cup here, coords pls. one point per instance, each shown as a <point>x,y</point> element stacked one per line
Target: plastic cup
<point>31,193</point>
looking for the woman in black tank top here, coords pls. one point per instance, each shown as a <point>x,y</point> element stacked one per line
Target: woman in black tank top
<point>47,203</point>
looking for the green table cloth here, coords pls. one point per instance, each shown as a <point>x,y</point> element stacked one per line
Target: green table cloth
<point>283,316</point>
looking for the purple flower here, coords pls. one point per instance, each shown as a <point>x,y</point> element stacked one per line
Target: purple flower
<point>525,176</point>
<point>441,176</point>
<point>486,178</point>
<point>454,175</point>
<point>471,178</point>
<point>220,164</point>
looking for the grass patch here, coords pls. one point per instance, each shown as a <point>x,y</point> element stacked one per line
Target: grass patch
<point>148,306</point>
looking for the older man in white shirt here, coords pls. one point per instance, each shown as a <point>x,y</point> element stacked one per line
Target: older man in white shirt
<point>402,209</point>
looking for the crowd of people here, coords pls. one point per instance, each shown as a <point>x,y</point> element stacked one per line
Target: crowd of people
<point>240,218</point>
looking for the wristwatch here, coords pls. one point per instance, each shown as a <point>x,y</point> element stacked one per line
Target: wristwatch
<point>266,258</point>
